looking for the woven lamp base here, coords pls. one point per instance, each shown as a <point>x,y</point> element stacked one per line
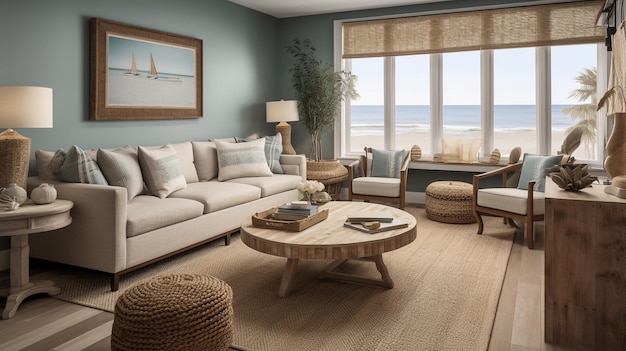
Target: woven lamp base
<point>14,158</point>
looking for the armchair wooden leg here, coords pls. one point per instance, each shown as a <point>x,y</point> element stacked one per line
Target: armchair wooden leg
<point>479,219</point>
<point>530,233</point>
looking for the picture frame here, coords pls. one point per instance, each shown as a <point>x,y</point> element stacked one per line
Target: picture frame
<point>143,74</point>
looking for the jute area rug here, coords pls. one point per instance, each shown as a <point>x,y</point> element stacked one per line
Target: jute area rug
<point>447,286</point>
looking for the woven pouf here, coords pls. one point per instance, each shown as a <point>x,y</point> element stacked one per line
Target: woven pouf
<point>174,312</point>
<point>450,202</point>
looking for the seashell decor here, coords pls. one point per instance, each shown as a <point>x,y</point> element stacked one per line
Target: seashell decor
<point>416,153</point>
<point>16,192</point>
<point>43,194</point>
<point>515,154</point>
<point>7,203</point>
<point>495,156</point>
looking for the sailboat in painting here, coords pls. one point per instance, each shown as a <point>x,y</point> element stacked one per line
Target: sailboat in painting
<point>155,75</point>
<point>133,67</point>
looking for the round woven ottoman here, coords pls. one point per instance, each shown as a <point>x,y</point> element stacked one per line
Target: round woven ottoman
<point>450,202</point>
<point>174,312</point>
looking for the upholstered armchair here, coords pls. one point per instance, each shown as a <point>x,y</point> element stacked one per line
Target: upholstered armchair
<point>382,176</point>
<point>522,200</point>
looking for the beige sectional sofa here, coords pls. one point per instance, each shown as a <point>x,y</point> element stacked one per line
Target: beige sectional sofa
<point>115,232</point>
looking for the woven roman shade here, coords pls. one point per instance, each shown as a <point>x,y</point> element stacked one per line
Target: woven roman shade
<point>530,26</point>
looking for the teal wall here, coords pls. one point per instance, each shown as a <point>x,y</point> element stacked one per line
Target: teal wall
<point>46,43</point>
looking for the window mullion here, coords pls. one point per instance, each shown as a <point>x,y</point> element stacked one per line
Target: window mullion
<point>390,102</point>
<point>486,101</point>
<point>544,100</point>
<point>436,102</point>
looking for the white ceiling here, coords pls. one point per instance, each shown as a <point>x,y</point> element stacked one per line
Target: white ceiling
<point>294,8</point>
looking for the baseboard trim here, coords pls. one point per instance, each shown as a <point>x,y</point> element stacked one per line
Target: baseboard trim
<point>5,256</point>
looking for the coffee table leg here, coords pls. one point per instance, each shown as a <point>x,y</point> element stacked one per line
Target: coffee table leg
<point>385,281</point>
<point>382,268</point>
<point>288,274</point>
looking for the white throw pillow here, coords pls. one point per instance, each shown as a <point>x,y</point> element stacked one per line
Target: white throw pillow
<point>237,160</point>
<point>161,170</point>
<point>121,168</point>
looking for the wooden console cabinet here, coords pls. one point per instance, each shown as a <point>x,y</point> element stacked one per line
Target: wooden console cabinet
<point>585,269</point>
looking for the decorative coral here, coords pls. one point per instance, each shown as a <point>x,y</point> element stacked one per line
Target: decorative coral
<point>572,177</point>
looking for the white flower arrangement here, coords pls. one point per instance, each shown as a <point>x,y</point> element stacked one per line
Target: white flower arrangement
<point>309,187</point>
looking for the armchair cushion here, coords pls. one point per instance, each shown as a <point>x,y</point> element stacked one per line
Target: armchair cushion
<point>386,163</point>
<point>510,200</point>
<point>376,186</point>
<point>535,168</point>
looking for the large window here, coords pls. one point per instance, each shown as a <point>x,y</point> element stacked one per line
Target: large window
<point>505,76</point>
<point>510,117</point>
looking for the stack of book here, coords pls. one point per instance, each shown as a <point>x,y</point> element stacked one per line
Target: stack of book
<point>288,213</point>
<point>374,222</point>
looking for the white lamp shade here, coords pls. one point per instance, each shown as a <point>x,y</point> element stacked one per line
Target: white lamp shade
<point>281,111</point>
<point>25,107</point>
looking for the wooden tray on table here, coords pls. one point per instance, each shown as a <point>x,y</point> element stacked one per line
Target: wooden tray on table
<point>266,219</point>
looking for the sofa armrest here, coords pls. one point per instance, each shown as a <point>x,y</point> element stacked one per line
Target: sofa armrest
<point>96,239</point>
<point>294,165</point>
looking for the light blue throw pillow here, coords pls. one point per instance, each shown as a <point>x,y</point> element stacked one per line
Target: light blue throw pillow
<point>273,149</point>
<point>536,168</point>
<point>386,163</point>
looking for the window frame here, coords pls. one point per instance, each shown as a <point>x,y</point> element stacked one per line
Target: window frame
<point>543,101</point>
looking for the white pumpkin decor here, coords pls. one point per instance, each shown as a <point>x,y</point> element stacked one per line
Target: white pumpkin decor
<point>16,192</point>
<point>44,194</point>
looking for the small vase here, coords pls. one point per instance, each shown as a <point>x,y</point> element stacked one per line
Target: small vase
<point>615,162</point>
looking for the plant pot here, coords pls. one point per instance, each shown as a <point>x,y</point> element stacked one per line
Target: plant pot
<point>331,173</point>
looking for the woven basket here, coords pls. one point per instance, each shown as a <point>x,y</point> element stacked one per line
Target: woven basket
<point>331,173</point>
<point>450,202</point>
<point>174,312</point>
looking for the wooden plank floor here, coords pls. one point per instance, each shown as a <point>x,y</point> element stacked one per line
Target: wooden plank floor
<point>44,323</point>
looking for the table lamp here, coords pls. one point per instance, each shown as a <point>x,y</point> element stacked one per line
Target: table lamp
<point>20,107</point>
<point>283,111</point>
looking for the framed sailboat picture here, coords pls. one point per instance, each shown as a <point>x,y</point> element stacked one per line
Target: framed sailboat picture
<point>138,73</point>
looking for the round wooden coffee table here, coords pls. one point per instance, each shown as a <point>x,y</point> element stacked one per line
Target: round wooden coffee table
<point>329,239</point>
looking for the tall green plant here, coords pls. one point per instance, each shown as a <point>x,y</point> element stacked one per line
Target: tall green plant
<point>585,113</point>
<point>320,91</point>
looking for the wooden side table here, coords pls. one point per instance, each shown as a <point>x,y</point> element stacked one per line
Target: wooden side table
<point>18,224</point>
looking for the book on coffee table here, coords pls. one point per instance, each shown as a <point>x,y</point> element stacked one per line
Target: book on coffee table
<point>384,226</point>
<point>373,216</point>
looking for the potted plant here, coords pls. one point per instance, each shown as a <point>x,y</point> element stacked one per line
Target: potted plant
<point>319,91</point>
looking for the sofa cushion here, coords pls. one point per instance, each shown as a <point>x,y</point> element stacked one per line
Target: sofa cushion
<point>216,195</point>
<point>237,160</point>
<point>275,184</point>
<point>76,166</point>
<point>376,186</point>
<point>42,159</point>
<point>186,158</point>
<point>121,168</point>
<point>510,200</point>
<point>146,213</point>
<point>205,159</point>
<point>161,170</point>
<point>273,149</point>
<point>386,163</point>
<point>536,167</point>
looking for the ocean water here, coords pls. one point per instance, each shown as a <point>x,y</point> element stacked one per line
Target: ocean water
<point>368,119</point>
